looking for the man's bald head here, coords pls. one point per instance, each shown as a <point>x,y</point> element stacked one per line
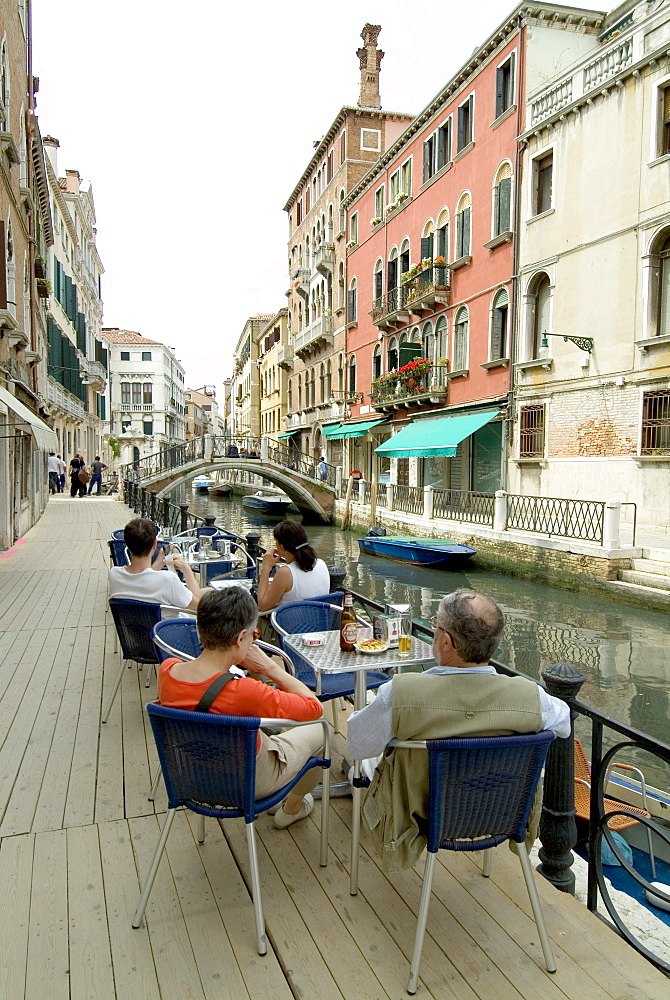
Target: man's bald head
<point>474,622</point>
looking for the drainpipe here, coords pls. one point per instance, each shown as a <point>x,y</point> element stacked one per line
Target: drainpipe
<point>518,161</point>
<point>30,138</point>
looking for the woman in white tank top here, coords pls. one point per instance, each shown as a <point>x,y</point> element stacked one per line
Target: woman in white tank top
<point>303,577</point>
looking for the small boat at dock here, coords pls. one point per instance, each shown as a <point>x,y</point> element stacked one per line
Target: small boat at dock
<point>275,504</point>
<point>441,553</point>
<point>220,490</point>
<point>202,483</point>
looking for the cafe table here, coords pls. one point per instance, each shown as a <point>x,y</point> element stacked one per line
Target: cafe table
<point>328,658</point>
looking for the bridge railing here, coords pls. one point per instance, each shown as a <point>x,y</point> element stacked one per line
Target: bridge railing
<point>306,467</point>
<point>173,457</point>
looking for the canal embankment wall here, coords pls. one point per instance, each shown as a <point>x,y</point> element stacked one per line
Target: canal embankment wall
<point>561,562</point>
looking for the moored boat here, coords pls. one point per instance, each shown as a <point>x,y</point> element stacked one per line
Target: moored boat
<point>202,483</point>
<point>436,552</point>
<point>220,490</point>
<point>267,503</point>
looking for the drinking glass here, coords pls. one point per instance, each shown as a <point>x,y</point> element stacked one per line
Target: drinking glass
<point>205,546</point>
<point>404,637</point>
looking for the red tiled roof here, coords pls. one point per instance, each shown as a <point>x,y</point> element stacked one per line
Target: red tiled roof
<point>128,337</point>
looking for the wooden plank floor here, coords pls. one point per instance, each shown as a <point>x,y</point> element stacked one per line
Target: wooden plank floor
<point>77,833</point>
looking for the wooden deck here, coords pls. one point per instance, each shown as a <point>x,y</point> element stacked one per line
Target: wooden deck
<point>77,833</point>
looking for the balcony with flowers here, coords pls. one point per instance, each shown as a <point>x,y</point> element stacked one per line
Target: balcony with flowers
<point>426,285</point>
<point>417,383</point>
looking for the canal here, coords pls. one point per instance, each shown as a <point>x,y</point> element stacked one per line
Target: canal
<point>622,650</point>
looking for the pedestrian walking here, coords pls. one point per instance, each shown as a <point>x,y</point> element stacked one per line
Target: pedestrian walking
<point>52,469</point>
<point>323,469</point>
<point>61,473</point>
<point>96,468</point>
<point>78,477</point>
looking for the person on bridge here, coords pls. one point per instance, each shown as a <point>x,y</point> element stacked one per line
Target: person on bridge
<point>304,576</point>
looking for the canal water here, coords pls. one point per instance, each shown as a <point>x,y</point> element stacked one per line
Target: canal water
<point>621,650</point>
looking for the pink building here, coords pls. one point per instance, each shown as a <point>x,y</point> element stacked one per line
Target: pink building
<point>429,280</point>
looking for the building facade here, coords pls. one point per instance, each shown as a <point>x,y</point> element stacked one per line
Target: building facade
<point>25,236</point>
<point>201,412</point>
<point>77,369</point>
<point>272,342</point>
<point>318,391</point>
<point>145,399</point>
<point>245,412</point>
<point>592,367</point>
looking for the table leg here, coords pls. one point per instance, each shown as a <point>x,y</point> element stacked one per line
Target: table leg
<point>360,692</point>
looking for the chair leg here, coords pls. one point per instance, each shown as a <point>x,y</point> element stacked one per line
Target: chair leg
<point>421,923</point>
<point>200,832</point>
<point>486,866</point>
<point>149,671</point>
<point>333,708</point>
<point>117,684</point>
<point>261,940</point>
<point>148,885</point>
<point>537,909</point>
<point>154,786</point>
<point>325,802</point>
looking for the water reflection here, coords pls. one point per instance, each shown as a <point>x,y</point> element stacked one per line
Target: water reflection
<point>621,650</point>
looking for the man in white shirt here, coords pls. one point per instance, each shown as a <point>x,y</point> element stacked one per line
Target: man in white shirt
<point>144,580</point>
<point>52,469</point>
<point>61,473</point>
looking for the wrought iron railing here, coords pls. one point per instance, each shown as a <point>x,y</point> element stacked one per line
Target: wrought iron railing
<point>463,505</point>
<point>387,304</point>
<point>431,279</point>
<point>408,499</point>
<point>582,519</point>
<point>173,457</point>
<point>397,387</point>
<point>289,459</point>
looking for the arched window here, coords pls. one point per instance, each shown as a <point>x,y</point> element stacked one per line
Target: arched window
<point>300,392</point>
<point>377,362</point>
<point>427,252</point>
<point>404,256</point>
<point>502,200</point>
<point>441,337</point>
<point>340,286</point>
<point>429,342</point>
<point>392,356</point>
<point>351,302</point>
<point>329,381</point>
<point>342,213</point>
<point>378,281</point>
<point>541,310</point>
<point>663,297</point>
<point>461,336</point>
<point>442,235</point>
<point>322,382</point>
<point>463,227</point>
<point>499,328</point>
<point>4,88</point>
<point>352,373</point>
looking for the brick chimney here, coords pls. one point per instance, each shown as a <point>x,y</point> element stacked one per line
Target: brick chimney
<point>370,59</point>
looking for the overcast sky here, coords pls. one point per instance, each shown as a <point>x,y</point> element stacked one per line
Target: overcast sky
<point>194,130</point>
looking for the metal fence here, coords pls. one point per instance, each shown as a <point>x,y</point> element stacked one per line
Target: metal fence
<point>289,459</point>
<point>582,519</point>
<point>462,505</point>
<point>408,499</point>
<point>173,457</point>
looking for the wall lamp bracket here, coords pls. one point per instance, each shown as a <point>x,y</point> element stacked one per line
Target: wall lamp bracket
<point>583,343</point>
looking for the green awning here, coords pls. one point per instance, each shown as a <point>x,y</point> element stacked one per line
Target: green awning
<point>354,430</point>
<point>286,434</point>
<point>331,431</point>
<point>431,438</point>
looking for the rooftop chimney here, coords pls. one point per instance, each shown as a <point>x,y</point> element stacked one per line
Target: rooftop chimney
<point>370,59</point>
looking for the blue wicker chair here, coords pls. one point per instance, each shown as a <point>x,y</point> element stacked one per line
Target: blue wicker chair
<point>134,621</point>
<point>481,792</point>
<point>209,764</point>
<point>315,616</point>
<point>118,553</point>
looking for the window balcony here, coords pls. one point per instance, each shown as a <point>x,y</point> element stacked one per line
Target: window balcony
<point>417,387</point>
<point>318,334</point>
<point>137,407</point>
<point>300,281</point>
<point>324,258</point>
<point>285,354</point>
<point>94,373</point>
<point>64,401</point>
<point>390,311</point>
<point>427,290</point>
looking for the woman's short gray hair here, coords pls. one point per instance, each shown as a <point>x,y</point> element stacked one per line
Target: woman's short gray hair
<point>223,614</point>
<point>474,622</point>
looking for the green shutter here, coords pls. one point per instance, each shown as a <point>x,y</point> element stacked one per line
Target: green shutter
<point>503,199</point>
<point>427,160</point>
<point>426,247</point>
<point>500,91</point>
<point>409,352</point>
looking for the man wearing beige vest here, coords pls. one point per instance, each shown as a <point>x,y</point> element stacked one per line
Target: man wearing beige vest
<point>462,696</point>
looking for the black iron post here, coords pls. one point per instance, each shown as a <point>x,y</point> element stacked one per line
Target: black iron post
<point>143,501</point>
<point>337,577</point>
<point>209,521</point>
<point>558,830</point>
<point>152,504</point>
<point>253,544</point>
<point>165,511</point>
<point>183,520</point>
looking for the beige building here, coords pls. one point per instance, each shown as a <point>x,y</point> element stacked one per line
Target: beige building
<point>201,412</point>
<point>25,236</point>
<point>244,384</point>
<point>317,248</point>
<point>592,365</point>
<point>273,341</point>
<point>78,362</point>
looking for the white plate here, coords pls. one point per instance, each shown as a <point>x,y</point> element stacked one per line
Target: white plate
<point>369,652</point>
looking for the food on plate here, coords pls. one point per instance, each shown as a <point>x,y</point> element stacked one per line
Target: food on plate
<point>371,646</point>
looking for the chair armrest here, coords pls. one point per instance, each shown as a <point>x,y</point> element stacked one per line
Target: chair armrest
<point>181,611</point>
<point>638,772</point>
<point>580,781</point>
<point>408,744</point>
<point>292,724</point>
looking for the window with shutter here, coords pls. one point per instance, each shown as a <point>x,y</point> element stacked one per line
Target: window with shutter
<point>442,241</point>
<point>379,202</point>
<point>542,312</point>
<point>465,130</point>
<point>665,122</point>
<point>444,144</point>
<point>543,178</point>
<point>505,86</point>
<point>499,326</point>
<point>377,362</point>
<point>427,159</point>
<point>392,355</point>
<point>3,267</point>
<point>427,247</point>
<point>392,274</point>
<point>503,203</point>
<point>352,374</point>
<point>351,305</point>
<point>441,337</point>
<point>463,233</point>
<point>147,393</point>
<point>664,291</point>
<point>461,340</point>
<point>136,394</point>
<point>406,177</point>
<point>379,282</point>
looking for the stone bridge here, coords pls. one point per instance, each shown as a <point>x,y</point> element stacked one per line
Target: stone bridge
<point>315,499</point>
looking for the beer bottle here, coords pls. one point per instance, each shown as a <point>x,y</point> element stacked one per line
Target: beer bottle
<point>348,625</point>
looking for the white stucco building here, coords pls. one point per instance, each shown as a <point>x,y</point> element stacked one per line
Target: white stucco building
<point>146,394</point>
<point>592,413</point>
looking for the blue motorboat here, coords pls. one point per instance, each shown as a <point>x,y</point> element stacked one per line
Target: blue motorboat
<point>275,504</point>
<point>438,552</point>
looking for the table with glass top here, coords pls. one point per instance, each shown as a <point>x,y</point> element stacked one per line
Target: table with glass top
<point>330,659</point>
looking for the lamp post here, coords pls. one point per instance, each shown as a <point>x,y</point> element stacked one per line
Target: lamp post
<point>583,343</point>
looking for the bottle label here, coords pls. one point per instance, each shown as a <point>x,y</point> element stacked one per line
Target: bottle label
<point>350,632</point>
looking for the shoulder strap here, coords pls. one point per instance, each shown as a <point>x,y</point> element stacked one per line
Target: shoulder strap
<point>212,691</point>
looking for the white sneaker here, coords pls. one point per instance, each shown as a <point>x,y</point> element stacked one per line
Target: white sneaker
<point>282,819</point>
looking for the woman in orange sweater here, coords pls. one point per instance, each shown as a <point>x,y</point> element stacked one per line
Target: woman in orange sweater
<point>226,623</point>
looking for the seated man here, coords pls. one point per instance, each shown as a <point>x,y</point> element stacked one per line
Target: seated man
<point>226,623</point>
<point>141,582</point>
<point>463,696</point>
